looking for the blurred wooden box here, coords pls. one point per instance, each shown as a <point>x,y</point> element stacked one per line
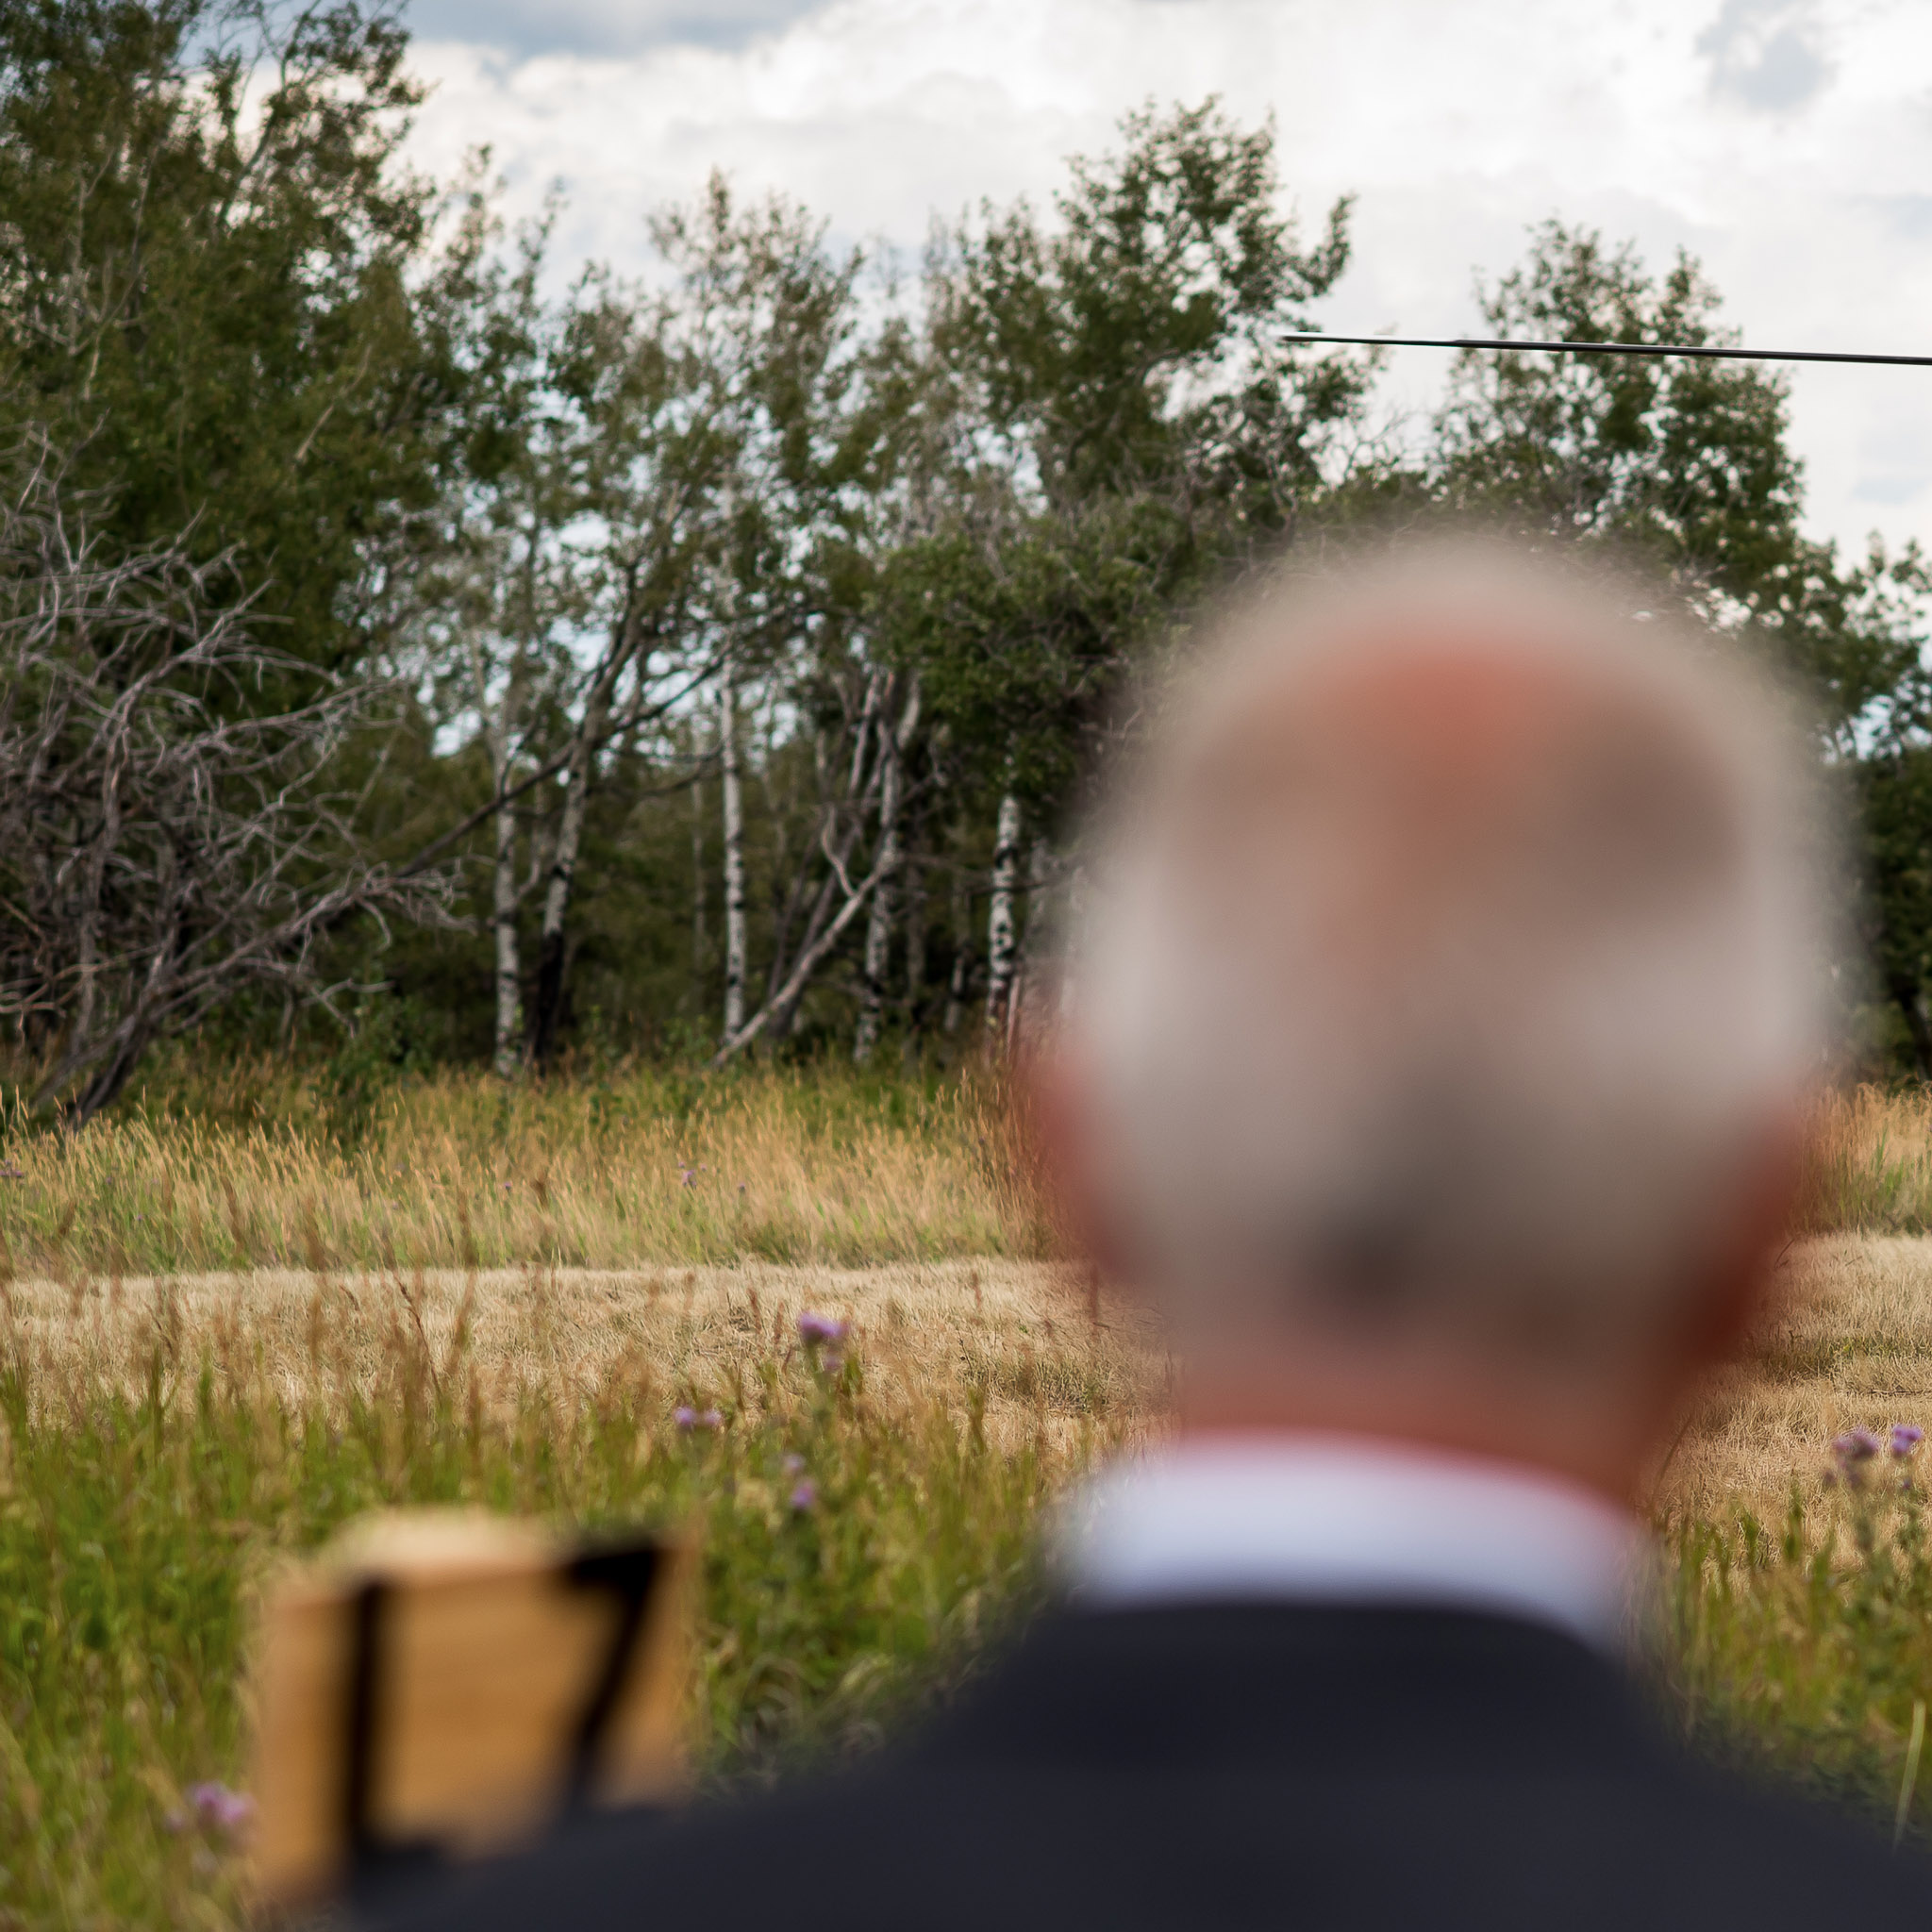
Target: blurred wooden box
<point>447,1684</point>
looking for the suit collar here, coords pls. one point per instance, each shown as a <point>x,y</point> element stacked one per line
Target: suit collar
<point>1327,1519</point>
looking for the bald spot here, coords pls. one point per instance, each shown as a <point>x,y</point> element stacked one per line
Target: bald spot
<point>1418,783</point>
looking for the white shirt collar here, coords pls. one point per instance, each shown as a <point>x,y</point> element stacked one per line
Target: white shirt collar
<point>1338,1518</point>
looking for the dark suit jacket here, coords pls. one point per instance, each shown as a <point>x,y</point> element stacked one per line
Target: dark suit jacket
<point>1241,1766</point>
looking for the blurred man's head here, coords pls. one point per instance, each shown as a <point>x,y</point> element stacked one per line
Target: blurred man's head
<point>1455,983</point>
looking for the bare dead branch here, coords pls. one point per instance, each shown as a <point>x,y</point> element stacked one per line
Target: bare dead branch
<point>168,831</point>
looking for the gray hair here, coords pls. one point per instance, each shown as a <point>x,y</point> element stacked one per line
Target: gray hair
<point>1454,957</point>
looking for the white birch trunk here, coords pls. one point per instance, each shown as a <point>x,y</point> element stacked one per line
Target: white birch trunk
<point>563,870</point>
<point>699,878</point>
<point>734,854</point>
<point>503,919</point>
<point>885,898</point>
<point>1002,932</point>
<point>860,795</point>
<point>823,931</point>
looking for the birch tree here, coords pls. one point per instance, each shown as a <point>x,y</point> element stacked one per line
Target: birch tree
<point>731,786</point>
<point>829,889</point>
<point>1002,923</point>
<point>895,741</point>
<point>499,597</point>
<point>650,461</point>
<point>768,318</point>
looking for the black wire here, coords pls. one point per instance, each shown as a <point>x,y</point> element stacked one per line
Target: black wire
<point>1692,352</point>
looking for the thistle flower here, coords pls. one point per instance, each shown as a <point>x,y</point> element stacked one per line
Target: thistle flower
<point>218,1808</point>
<point>1905,1437</point>
<point>815,1329</point>
<point>688,1418</point>
<point>1855,1446</point>
<point>804,1495</point>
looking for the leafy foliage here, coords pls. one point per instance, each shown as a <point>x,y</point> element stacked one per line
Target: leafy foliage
<point>203,292</point>
<point>876,557</point>
<point>1680,465</point>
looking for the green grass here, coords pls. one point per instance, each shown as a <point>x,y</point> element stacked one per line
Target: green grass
<point>1802,1651</point>
<point>137,1525</point>
<point>138,1522</point>
<point>148,1492</point>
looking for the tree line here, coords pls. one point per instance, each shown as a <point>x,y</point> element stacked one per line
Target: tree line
<point>406,635</point>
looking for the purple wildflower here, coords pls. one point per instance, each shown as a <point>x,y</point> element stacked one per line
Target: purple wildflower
<point>814,1330</point>
<point>804,1495</point>
<point>1905,1437</point>
<point>794,1463</point>
<point>216,1806</point>
<point>686,1177</point>
<point>685,1416</point>
<point>1857,1445</point>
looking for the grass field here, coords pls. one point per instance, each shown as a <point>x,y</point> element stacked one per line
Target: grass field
<point>170,1434</point>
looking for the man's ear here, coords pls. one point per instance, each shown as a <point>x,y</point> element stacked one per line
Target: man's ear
<point>1057,1098</point>
<point>1741,1279</point>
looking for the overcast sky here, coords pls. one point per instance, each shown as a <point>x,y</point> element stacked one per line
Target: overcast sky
<point>1786,142</point>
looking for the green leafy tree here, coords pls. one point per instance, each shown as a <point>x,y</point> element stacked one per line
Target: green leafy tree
<point>1683,464</point>
<point>205,287</point>
<point>1135,423</point>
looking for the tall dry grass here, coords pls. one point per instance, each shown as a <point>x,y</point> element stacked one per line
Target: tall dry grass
<point>266,1167</point>
<point>1868,1166</point>
<point>816,1165</point>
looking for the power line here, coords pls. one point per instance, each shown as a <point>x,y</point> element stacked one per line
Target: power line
<point>1689,351</point>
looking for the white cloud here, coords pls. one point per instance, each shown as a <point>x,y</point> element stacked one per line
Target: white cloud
<point>1788,142</point>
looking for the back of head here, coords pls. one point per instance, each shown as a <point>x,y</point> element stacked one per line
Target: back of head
<point>1455,954</point>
